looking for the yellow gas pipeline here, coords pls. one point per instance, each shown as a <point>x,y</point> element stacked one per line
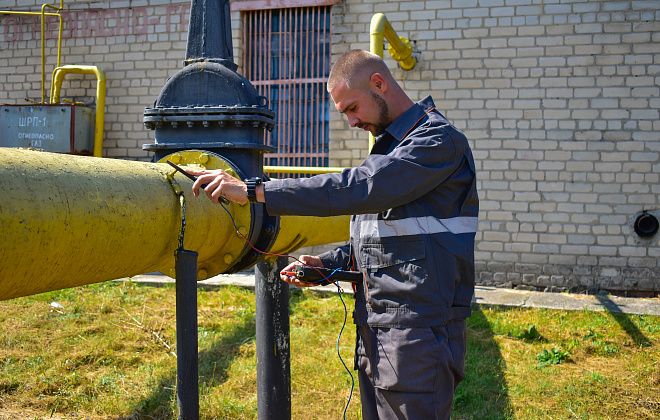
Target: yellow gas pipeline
<point>43,15</point>
<point>400,48</point>
<point>67,221</point>
<point>56,87</point>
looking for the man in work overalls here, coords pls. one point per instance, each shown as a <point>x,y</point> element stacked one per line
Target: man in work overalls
<point>414,204</point>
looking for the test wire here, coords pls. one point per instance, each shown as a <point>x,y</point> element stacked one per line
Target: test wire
<point>339,292</point>
<point>182,205</point>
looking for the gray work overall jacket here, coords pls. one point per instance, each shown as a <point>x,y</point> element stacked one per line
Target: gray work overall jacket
<point>415,206</point>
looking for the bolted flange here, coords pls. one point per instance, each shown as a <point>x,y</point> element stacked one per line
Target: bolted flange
<point>251,222</point>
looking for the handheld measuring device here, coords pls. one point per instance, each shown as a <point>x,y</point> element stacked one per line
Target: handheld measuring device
<point>321,276</point>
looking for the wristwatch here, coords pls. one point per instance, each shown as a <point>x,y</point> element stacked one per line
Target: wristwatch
<point>252,188</point>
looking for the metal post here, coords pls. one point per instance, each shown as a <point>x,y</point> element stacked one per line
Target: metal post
<point>187,392</point>
<point>273,351</point>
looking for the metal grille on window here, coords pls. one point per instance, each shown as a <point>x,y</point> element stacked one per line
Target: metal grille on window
<point>287,58</point>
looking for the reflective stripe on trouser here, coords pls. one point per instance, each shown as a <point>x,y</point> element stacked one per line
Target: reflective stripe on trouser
<point>410,373</point>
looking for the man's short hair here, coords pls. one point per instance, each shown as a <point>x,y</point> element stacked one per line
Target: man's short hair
<point>356,67</point>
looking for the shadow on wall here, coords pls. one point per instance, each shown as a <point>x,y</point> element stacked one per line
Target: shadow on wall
<point>484,393</point>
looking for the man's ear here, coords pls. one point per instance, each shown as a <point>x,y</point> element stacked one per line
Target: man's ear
<point>378,82</point>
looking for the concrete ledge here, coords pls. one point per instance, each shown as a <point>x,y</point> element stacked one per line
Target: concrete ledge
<point>482,295</point>
<point>566,301</point>
<point>243,279</point>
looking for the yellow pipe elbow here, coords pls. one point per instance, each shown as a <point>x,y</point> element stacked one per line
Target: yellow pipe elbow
<point>400,48</point>
<point>58,78</point>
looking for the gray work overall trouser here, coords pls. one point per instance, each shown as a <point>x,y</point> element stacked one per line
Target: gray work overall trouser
<point>410,373</point>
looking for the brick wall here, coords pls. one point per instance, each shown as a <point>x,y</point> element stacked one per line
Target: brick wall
<point>559,100</point>
<point>138,44</point>
<point>560,103</point>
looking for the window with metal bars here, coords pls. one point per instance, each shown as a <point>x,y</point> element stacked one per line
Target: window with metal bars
<point>287,58</point>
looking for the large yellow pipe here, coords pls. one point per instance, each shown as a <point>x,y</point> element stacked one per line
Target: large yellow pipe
<point>67,221</point>
<point>58,78</point>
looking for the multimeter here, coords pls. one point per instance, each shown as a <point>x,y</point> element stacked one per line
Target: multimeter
<point>321,276</point>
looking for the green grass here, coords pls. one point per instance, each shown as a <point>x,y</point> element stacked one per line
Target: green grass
<point>108,354</point>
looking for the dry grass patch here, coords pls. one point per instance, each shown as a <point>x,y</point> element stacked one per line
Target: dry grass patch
<point>108,353</point>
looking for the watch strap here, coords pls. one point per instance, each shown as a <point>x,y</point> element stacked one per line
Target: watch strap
<point>251,184</point>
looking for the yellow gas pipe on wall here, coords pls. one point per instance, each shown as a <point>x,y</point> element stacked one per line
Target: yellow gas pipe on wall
<point>43,15</point>
<point>400,48</point>
<point>67,221</point>
<point>60,71</point>
<point>56,86</point>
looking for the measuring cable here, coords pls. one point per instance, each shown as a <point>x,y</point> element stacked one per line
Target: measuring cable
<point>316,275</point>
<point>307,273</point>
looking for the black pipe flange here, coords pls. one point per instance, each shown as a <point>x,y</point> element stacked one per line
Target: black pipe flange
<point>646,225</point>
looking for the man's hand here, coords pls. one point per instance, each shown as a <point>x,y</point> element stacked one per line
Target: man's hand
<point>219,182</point>
<point>292,280</point>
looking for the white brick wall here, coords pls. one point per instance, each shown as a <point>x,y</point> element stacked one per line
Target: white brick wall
<point>559,100</point>
<point>137,57</point>
<point>560,104</point>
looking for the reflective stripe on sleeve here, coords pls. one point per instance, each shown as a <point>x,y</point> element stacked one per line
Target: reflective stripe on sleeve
<point>417,226</point>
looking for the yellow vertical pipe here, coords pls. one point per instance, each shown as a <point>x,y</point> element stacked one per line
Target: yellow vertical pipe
<point>43,45</point>
<point>58,78</point>
<point>400,48</point>
<point>43,41</point>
